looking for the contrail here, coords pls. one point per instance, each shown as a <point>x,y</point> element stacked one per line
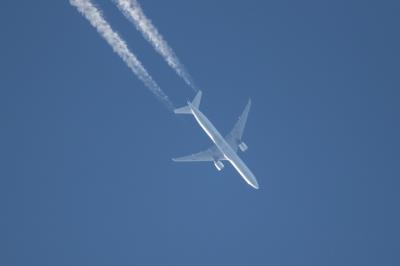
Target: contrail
<point>134,13</point>
<point>93,14</point>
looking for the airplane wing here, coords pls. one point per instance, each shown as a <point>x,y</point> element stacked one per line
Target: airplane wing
<point>235,136</point>
<point>211,154</point>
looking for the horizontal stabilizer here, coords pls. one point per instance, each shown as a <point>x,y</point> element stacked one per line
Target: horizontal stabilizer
<point>194,103</point>
<point>182,110</point>
<point>196,100</point>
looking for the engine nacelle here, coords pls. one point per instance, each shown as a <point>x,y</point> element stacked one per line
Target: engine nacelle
<point>243,147</point>
<point>219,165</point>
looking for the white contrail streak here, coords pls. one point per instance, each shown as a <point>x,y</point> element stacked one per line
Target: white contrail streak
<point>134,13</point>
<point>94,16</point>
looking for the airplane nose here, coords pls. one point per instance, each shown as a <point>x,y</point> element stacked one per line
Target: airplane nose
<point>253,181</point>
<point>256,185</point>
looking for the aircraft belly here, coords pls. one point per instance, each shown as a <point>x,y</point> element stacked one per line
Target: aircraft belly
<point>208,127</point>
<point>225,148</point>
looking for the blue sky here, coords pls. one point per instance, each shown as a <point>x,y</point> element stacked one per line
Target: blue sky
<point>86,176</point>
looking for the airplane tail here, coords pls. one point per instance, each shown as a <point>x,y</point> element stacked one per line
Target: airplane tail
<point>186,109</point>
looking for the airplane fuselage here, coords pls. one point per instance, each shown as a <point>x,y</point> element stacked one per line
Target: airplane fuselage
<point>223,146</point>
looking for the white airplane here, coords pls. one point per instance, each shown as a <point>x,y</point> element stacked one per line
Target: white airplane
<point>224,148</point>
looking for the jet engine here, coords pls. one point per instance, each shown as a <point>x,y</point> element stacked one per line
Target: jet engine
<point>219,165</point>
<point>243,147</point>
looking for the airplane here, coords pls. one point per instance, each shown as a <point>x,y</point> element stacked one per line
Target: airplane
<point>224,148</point>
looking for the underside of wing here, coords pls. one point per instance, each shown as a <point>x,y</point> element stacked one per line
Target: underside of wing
<point>211,154</point>
<point>235,136</point>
